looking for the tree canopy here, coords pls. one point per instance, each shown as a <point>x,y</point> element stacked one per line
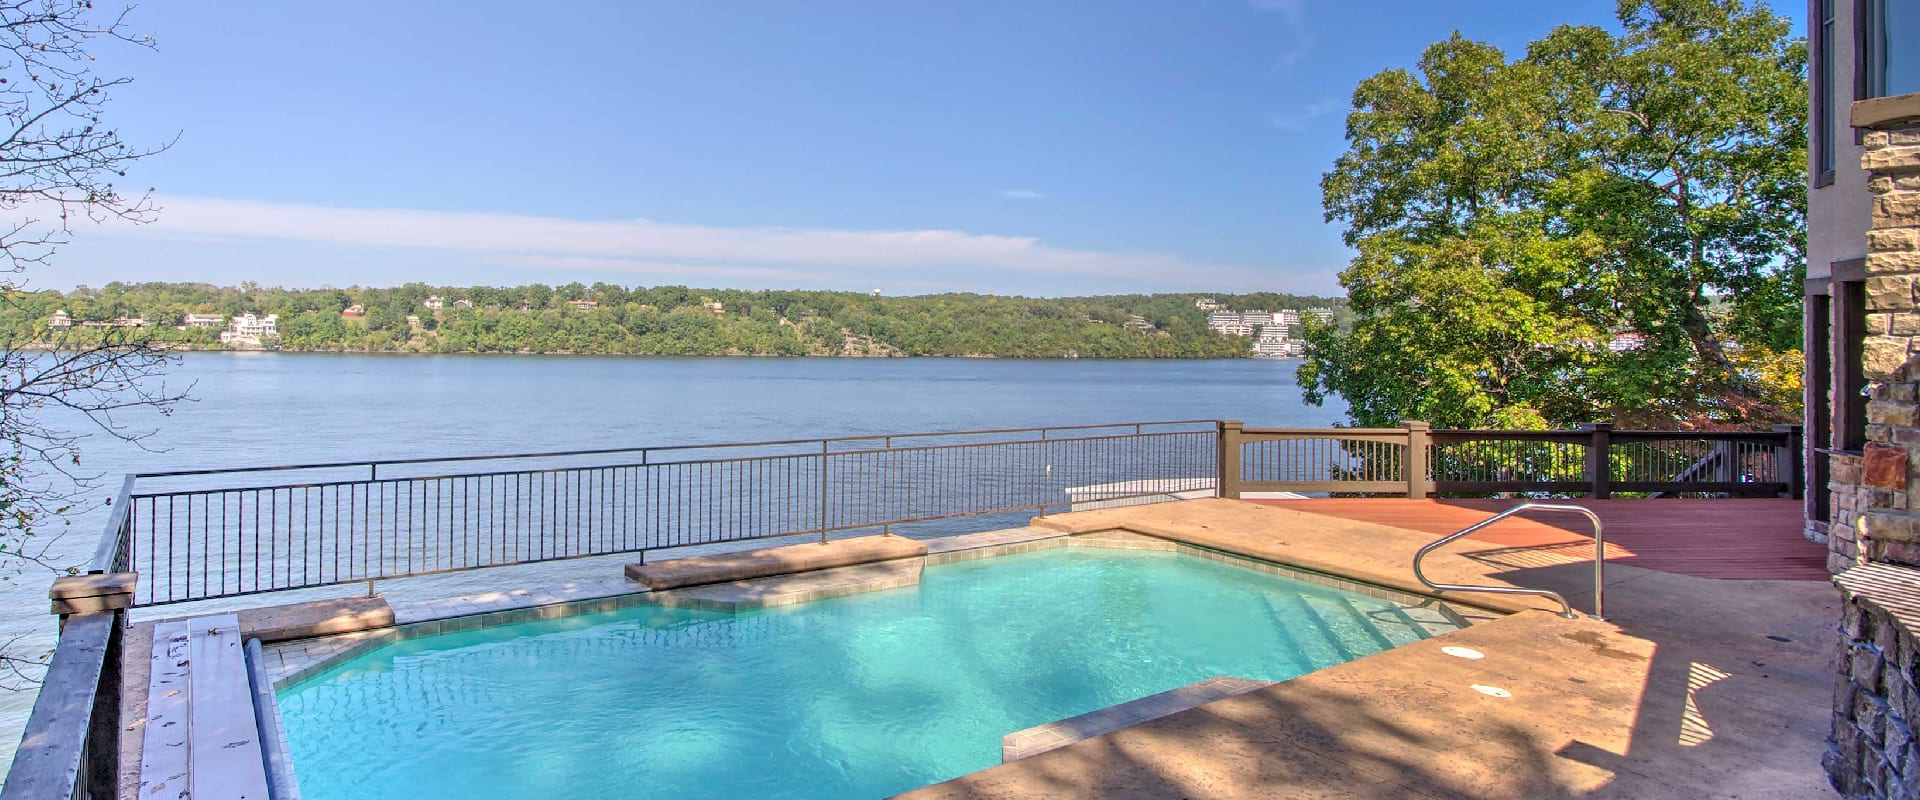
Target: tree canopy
<point>1608,227</point>
<point>659,320</point>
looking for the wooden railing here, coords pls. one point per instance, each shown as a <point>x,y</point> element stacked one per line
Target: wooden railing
<point>1594,460</point>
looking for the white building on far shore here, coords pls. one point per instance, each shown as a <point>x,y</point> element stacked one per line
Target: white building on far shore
<point>249,329</point>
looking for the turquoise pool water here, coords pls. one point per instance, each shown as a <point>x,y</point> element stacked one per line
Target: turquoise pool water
<point>855,697</point>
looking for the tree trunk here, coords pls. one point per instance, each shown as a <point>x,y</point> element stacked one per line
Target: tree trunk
<point>1700,333</point>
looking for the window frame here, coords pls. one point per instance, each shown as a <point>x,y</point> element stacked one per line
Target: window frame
<point>1823,151</point>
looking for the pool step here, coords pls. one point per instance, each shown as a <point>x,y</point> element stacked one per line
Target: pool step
<point>1055,735</point>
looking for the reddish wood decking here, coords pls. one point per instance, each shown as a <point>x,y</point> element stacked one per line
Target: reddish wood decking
<point>1742,539</point>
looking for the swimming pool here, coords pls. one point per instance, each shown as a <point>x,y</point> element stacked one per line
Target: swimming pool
<point>859,696</point>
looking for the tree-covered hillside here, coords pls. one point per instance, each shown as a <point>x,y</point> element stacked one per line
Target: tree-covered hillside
<point>661,320</point>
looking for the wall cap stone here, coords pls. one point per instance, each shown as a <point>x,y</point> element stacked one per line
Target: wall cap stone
<point>1888,587</point>
<point>1879,113</point>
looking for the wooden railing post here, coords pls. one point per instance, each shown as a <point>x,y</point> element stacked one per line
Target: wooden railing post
<point>1792,460</point>
<point>1599,465</point>
<point>1228,463</point>
<point>1419,443</point>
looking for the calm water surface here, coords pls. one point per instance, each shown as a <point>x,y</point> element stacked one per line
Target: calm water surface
<point>259,408</point>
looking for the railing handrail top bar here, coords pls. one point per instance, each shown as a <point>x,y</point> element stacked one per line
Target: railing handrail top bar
<point>1326,432</point>
<point>657,448</point>
<point>626,464</point>
<point>108,550</point>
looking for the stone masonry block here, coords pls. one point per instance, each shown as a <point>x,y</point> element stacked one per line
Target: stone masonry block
<point>1903,415</point>
<point>1906,553</point>
<point>1893,263</point>
<point>1893,240</point>
<point>1899,209</point>
<point>1886,466</point>
<point>1890,293</point>
<point>1891,528</point>
<point>1867,665</point>
<point>1891,159</point>
<point>1882,356</point>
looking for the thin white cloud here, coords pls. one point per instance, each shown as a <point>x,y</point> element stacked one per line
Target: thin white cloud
<point>1294,14</point>
<point>641,246</point>
<point>1022,194</point>
<point>1297,120</point>
<point>1294,11</point>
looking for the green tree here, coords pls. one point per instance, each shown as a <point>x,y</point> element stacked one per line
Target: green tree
<point>1512,217</point>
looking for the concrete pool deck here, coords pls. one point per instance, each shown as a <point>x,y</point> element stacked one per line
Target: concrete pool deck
<point>1697,688</point>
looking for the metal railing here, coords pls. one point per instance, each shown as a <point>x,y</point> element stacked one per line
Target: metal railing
<point>1566,609</point>
<point>202,534</point>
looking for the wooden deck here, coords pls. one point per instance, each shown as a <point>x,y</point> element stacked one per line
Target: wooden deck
<point>1737,539</point>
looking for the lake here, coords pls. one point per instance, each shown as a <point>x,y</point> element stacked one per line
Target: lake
<point>276,408</point>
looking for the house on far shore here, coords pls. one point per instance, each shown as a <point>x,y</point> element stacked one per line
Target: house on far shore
<point>354,311</point>
<point>434,303</point>
<point>583,305</point>
<point>463,304</point>
<point>203,320</point>
<point>717,308</point>
<point>249,329</point>
<point>60,320</point>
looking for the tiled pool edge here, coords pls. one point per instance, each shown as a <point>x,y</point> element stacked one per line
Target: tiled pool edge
<point>462,614</point>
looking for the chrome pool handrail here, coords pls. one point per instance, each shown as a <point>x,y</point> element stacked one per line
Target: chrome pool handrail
<point>1566,609</point>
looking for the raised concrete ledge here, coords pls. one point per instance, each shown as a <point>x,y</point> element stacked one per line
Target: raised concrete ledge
<point>767,562</point>
<point>317,618</point>
<point>1055,735</point>
<point>802,587</point>
<point>307,620</point>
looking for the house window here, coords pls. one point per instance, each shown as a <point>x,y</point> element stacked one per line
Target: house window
<point>1849,319</point>
<point>1823,96</point>
<point>1819,383</point>
<point>1891,47</point>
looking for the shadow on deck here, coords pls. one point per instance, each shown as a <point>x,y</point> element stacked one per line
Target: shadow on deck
<point>1698,687</point>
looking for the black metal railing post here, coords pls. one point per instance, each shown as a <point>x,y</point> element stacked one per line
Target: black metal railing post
<point>1599,459</point>
<point>1790,458</point>
<point>824,526</point>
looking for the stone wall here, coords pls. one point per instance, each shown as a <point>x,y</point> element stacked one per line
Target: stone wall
<point>1848,506</point>
<point>1872,752</point>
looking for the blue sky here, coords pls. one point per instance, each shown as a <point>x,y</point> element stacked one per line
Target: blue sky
<point>1027,147</point>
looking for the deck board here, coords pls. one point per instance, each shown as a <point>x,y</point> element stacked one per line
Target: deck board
<point>1735,539</point>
